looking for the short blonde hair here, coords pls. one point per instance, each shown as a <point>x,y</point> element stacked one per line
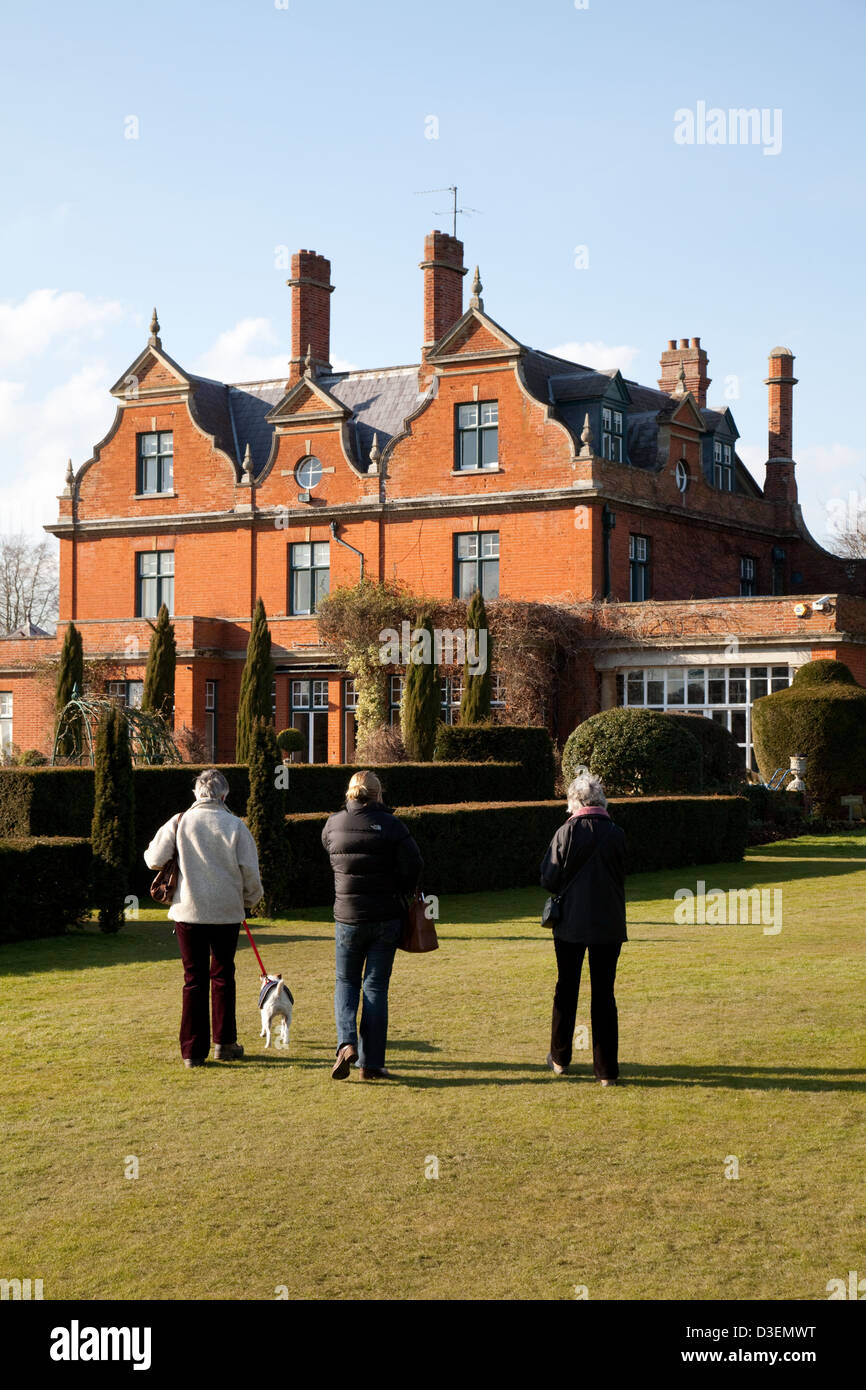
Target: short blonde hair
<point>364,786</point>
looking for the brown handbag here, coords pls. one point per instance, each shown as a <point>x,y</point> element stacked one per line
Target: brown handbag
<point>419,932</point>
<point>164,886</point>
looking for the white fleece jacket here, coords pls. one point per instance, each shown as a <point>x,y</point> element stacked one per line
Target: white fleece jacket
<point>218,862</point>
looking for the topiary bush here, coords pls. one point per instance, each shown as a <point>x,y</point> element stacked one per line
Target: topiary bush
<point>820,716</point>
<point>291,741</point>
<point>635,752</point>
<point>724,765</point>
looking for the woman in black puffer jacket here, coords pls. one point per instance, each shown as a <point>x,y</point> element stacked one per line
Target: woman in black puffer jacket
<point>376,865</point>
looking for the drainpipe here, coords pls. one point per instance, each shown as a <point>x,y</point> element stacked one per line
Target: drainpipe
<point>359,553</point>
<point>608,522</point>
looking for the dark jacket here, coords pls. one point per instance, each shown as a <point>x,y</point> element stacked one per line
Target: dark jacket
<point>593,909</point>
<point>376,862</point>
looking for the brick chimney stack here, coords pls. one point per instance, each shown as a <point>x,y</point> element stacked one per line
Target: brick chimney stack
<point>781,481</point>
<point>443,285</point>
<point>694,363</point>
<point>311,288</point>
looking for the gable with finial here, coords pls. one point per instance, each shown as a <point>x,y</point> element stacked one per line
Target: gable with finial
<point>475,336</point>
<point>153,373</point>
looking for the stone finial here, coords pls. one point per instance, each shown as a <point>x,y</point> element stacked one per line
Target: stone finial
<point>586,437</point>
<point>309,370</point>
<point>70,479</point>
<point>375,454</point>
<point>681,388</point>
<point>154,331</point>
<point>247,465</point>
<point>476,302</point>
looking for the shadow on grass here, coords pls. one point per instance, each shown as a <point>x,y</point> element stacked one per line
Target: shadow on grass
<point>734,1078</point>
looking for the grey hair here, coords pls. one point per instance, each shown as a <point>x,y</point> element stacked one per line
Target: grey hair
<point>210,785</point>
<point>585,790</point>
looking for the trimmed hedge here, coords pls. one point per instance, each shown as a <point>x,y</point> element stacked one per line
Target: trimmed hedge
<point>506,743</point>
<point>46,886</point>
<point>59,800</point>
<point>636,751</point>
<point>466,848</point>
<point>820,716</point>
<point>474,848</point>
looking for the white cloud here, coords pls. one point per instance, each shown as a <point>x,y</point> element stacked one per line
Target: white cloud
<point>597,354</point>
<point>240,354</point>
<point>52,318</point>
<point>63,423</point>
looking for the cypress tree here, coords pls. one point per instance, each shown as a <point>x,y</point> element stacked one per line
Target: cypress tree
<point>158,693</point>
<point>256,684</point>
<point>266,818</point>
<point>475,700</point>
<point>112,834</point>
<point>420,707</point>
<point>70,674</point>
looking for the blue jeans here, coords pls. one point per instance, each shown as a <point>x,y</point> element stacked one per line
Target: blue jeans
<point>376,944</point>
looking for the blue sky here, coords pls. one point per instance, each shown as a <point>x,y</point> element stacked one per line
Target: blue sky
<point>260,127</point>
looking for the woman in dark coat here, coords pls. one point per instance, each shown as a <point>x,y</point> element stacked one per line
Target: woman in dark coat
<point>585,862</point>
<point>376,866</point>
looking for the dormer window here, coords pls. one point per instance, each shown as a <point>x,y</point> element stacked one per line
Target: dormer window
<point>155,463</point>
<point>723,466</point>
<point>611,434</point>
<point>478,436</point>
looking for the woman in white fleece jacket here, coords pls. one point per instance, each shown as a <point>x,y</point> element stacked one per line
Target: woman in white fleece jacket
<point>218,885</point>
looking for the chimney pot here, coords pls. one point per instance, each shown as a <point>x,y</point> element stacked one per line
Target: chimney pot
<point>672,342</point>
<point>684,342</point>
<point>696,342</point>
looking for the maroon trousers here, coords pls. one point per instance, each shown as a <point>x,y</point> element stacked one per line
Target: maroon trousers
<point>208,955</point>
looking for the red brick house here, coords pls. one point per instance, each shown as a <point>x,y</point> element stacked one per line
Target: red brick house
<point>487,464</point>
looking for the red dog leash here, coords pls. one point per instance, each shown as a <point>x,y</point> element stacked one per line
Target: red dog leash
<point>257,956</point>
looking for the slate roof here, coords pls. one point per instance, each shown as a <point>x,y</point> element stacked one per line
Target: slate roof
<point>27,629</point>
<point>381,400</point>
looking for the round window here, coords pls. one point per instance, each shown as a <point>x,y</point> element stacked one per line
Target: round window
<point>682,475</point>
<point>308,473</point>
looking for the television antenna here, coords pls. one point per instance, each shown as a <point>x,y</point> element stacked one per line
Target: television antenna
<point>454,210</point>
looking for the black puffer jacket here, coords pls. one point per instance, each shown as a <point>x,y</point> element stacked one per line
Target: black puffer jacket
<point>376,862</point>
<point>593,909</point>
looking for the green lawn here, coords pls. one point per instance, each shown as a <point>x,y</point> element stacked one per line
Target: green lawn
<point>264,1172</point>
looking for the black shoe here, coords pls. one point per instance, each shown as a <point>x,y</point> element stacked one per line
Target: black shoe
<point>376,1074</point>
<point>346,1055</point>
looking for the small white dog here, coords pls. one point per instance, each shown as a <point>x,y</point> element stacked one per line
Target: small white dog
<point>275,1002</point>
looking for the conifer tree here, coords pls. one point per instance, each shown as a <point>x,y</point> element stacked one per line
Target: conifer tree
<point>420,706</point>
<point>158,693</point>
<point>475,700</point>
<point>70,676</point>
<point>266,818</point>
<point>112,835</point>
<point>256,684</point>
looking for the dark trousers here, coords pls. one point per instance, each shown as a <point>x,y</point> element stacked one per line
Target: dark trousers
<point>208,955</point>
<point>603,1016</point>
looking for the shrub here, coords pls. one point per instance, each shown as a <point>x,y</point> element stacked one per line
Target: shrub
<point>421,702</point>
<point>822,717</point>
<point>112,834</point>
<point>475,699</point>
<point>70,678</point>
<point>723,763</point>
<point>158,693</point>
<point>474,848</point>
<point>290,741</point>
<point>635,751</point>
<point>45,886</point>
<point>383,744</point>
<point>257,679</point>
<point>31,757</point>
<point>266,819</point>
<point>506,743</point>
